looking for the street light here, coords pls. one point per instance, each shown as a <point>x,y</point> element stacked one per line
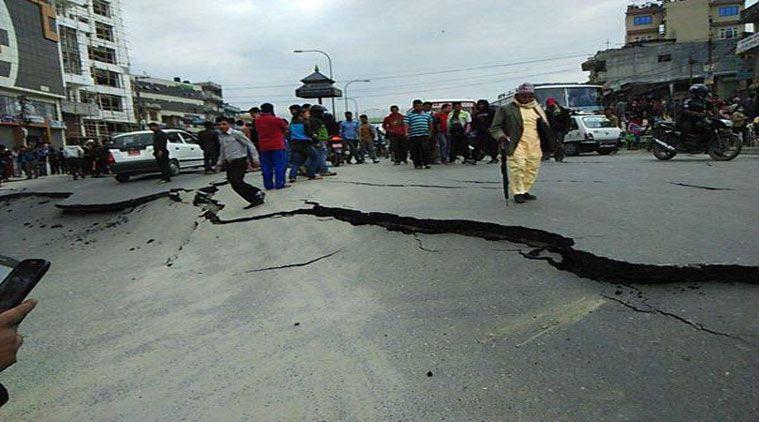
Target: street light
<point>355,104</point>
<point>345,91</point>
<point>329,61</point>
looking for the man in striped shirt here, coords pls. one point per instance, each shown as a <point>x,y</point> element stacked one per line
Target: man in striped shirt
<point>419,135</point>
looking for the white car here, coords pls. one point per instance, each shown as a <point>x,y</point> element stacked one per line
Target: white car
<point>592,133</point>
<point>133,153</point>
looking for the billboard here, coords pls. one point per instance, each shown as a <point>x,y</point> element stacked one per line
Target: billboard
<point>29,57</point>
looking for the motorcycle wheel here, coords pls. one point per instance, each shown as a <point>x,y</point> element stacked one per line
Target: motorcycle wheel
<point>726,147</point>
<point>662,153</point>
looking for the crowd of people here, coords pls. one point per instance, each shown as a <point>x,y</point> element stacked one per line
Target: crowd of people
<point>43,159</point>
<point>287,149</point>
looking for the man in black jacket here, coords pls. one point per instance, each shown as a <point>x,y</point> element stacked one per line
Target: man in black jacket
<point>208,139</point>
<point>559,118</point>
<point>161,151</point>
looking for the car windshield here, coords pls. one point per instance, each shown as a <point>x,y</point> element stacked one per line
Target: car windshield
<point>543,94</point>
<point>597,122</point>
<point>580,97</point>
<point>133,141</point>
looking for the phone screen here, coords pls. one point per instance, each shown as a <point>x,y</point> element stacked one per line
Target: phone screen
<point>6,266</point>
<point>20,281</point>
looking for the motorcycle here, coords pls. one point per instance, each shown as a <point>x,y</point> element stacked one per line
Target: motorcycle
<point>720,142</point>
<point>336,150</point>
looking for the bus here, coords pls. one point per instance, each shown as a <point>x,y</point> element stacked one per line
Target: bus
<point>466,104</point>
<point>579,97</point>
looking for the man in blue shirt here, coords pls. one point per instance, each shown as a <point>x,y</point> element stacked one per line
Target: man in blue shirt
<point>349,133</point>
<point>419,134</point>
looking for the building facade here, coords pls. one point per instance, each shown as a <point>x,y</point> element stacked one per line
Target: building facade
<point>31,84</point>
<point>683,20</point>
<point>176,103</point>
<point>671,66</point>
<point>95,63</point>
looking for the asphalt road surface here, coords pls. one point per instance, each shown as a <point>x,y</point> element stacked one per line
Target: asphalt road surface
<point>628,291</point>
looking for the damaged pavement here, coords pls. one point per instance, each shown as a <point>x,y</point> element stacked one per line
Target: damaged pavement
<point>386,293</point>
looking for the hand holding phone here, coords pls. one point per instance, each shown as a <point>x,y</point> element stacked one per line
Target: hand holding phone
<point>10,339</point>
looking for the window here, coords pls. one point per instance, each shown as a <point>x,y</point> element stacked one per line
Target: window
<point>106,77</point>
<point>728,33</point>
<point>729,11</point>
<point>665,58</point>
<point>104,31</point>
<point>72,60</point>
<point>643,20</point>
<point>597,122</point>
<point>110,102</point>
<point>102,54</point>
<point>102,8</point>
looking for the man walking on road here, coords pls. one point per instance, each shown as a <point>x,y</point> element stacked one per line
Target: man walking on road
<point>349,133</point>
<point>238,154</point>
<point>523,132</point>
<point>395,127</point>
<point>161,151</point>
<point>367,134</point>
<point>209,143</point>
<point>271,132</point>
<point>419,132</point>
<point>559,118</point>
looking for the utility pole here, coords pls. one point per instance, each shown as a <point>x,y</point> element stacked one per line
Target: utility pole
<point>691,62</point>
<point>138,97</point>
<point>709,78</point>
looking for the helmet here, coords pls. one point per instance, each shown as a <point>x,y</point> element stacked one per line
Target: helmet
<point>699,90</point>
<point>318,110</point>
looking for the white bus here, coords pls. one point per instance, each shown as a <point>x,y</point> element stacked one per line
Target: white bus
<point>575,96</point>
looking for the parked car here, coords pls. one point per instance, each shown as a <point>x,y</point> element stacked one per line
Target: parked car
<point>592,133</point>
<point>132,153</point>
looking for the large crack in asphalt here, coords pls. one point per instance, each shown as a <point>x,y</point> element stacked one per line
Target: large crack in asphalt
<point>581,263</point>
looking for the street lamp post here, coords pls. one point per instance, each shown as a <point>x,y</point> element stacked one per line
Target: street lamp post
<point>355,104</point>
<point>329,62</point>
<point>345,91</point>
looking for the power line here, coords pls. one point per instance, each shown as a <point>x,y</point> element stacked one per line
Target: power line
<point>429,73</point>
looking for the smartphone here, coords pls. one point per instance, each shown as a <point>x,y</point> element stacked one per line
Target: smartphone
<point>19,278</point>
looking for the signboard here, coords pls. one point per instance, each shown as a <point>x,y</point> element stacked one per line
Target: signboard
<point>747,44</point>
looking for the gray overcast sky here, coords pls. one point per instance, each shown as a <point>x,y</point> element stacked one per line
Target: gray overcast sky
<point>246,45</point>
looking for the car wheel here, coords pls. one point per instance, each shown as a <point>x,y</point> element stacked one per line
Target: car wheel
<point>122,178</point>
<point>174,167</point>
<point>571,149</point>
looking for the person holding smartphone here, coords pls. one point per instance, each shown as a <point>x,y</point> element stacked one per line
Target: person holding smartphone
<point>10,339</point>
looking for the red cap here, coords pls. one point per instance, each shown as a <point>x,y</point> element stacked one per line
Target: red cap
<point>551,101</point>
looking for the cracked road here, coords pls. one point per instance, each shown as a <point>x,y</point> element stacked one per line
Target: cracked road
<point>627,292</point>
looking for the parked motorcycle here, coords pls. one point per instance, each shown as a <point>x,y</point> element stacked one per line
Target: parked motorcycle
<point>720,142</point>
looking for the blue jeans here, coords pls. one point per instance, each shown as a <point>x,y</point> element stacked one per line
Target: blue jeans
<point>302,153</point>
<point>444,146</point>
<point>273,168</point>
<point>321,162</point>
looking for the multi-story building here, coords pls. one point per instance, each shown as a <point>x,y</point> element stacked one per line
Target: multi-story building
<point>95,69</point>
<point>31,84</point>
<point>684,20</point>
<point>643,22</point>
<point>176,103</point>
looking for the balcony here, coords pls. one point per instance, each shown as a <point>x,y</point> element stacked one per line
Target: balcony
<point>79,109</point>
